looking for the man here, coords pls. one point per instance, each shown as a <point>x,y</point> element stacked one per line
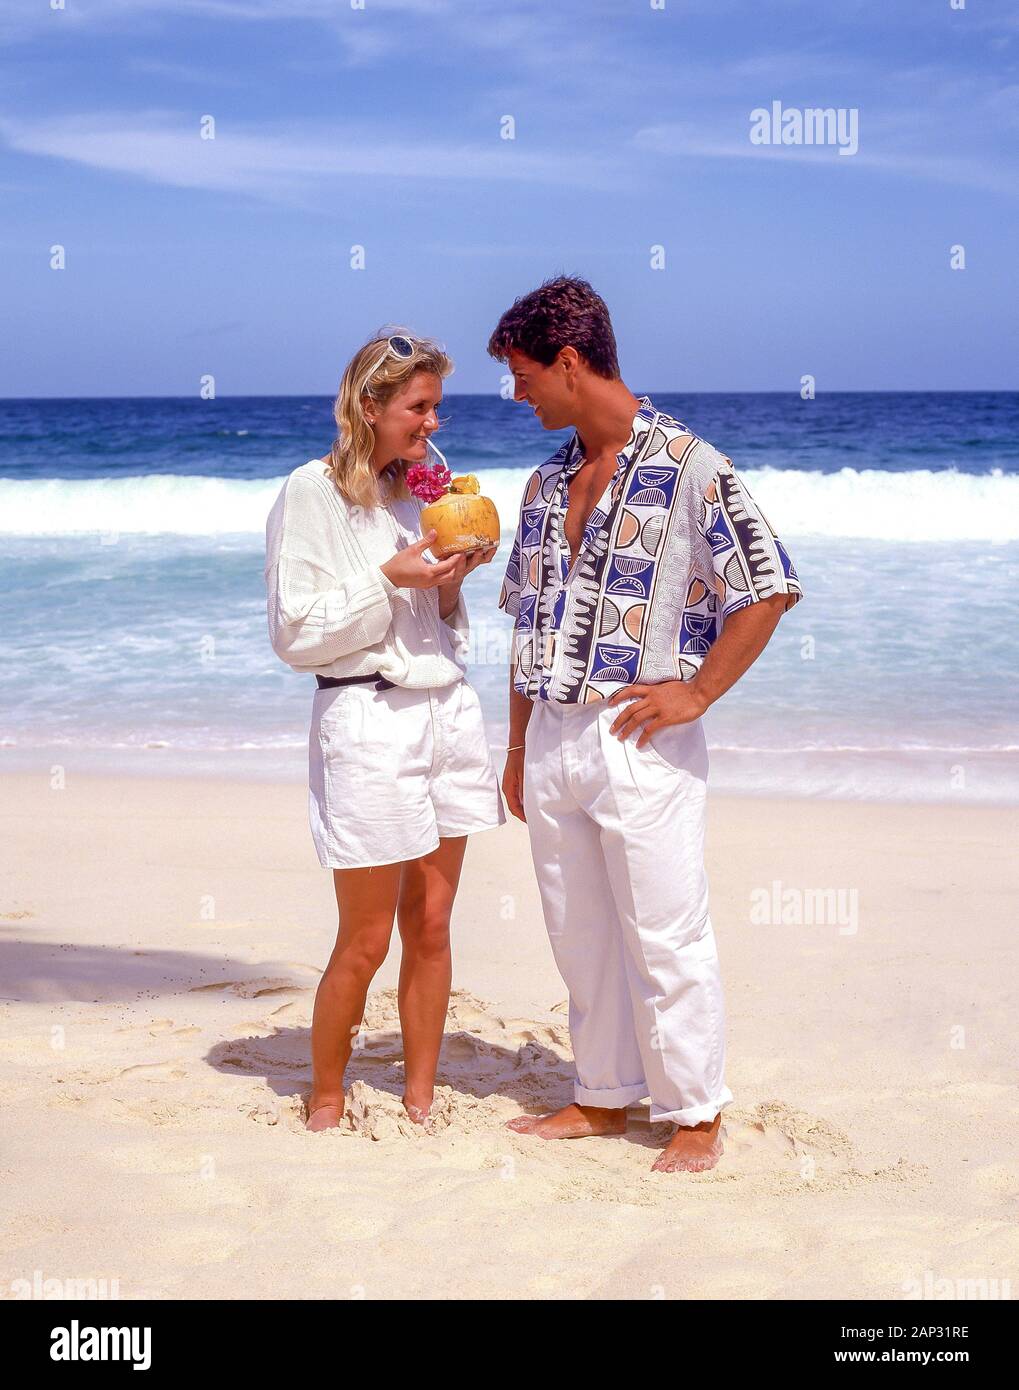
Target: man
<point>644,581</point>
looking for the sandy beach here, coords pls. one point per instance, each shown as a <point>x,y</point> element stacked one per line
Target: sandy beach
<point>161,943</point>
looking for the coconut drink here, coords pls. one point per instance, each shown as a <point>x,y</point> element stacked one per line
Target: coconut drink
<point>462,519</point>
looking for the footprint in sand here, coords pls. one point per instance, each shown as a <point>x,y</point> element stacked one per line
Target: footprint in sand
<point>162,1027</point>
<point>252,989</point>
<point>164,1070</point>
<point>288,1011</point>
<point>249,1054</point>
<point>544,1034</point>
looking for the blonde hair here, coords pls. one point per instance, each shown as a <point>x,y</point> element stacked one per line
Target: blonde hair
<point>350,459</point>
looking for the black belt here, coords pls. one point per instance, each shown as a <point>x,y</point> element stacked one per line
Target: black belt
<point>327,682</point>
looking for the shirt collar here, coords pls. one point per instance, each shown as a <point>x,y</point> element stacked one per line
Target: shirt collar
<point>574,455</point>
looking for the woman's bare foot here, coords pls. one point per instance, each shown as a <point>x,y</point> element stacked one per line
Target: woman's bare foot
<point>693,1149</point>
<point>418,1108</point>
<point>323,1114</point>
<point>572,1122</point>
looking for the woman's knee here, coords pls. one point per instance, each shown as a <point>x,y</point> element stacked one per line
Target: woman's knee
<point>425,934</point>
<point>363,954</point>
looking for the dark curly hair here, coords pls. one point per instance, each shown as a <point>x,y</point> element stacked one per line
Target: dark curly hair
<point>564,312</point>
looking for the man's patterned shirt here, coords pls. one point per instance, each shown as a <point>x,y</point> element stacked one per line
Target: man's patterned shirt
<point>674,545</point>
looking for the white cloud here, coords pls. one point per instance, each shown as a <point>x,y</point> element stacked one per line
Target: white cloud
<point>165,148</point>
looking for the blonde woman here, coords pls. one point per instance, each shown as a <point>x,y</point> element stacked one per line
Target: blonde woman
<point>399,766</point>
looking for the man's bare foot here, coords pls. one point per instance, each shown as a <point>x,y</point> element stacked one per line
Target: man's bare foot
<point>325,1114</point>
<point>572,1122</point>
<point>692,1149</point>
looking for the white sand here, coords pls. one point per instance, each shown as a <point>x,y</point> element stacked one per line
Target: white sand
<point>160,944</point>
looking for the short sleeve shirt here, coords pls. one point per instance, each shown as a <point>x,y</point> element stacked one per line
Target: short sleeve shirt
<point>674,545</point>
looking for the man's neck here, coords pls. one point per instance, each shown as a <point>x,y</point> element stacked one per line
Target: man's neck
<point>605,418</point>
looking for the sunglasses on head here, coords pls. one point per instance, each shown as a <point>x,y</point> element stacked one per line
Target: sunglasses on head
<point>397,346</point>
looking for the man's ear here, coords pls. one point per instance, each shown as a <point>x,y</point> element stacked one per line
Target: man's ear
<point>570,358</point>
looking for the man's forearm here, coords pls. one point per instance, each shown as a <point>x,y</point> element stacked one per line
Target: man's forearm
<point>519,713</point>
<point>744,635</point>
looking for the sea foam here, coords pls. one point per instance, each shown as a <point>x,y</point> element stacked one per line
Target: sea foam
<point>919,505</point>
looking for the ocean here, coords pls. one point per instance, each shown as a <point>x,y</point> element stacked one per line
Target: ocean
<point>134,634</point>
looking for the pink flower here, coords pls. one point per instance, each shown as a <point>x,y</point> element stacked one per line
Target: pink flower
<point>427,482</point>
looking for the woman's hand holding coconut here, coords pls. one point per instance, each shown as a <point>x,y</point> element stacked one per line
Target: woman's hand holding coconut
<point>408,569</point>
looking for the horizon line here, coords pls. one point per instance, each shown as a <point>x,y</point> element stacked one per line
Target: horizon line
<point>488,395</point>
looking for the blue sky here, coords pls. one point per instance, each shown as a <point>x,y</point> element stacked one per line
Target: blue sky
<point>380,127</point>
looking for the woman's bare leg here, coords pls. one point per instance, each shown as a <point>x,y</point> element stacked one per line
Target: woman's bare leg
<point>426,901</point>
<point>366,899</point>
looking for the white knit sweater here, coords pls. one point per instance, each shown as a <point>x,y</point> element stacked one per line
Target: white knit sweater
<point>332,610</point>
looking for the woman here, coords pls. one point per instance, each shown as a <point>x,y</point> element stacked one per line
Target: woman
<point>399,766</point>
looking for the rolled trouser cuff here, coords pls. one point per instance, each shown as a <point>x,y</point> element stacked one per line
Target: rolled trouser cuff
<point>692,1114</point>
<point>615,1098</point>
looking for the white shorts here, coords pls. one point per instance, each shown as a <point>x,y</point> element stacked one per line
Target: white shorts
<point>390,772</point>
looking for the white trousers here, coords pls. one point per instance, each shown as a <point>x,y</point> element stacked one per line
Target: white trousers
<point>617,838</point>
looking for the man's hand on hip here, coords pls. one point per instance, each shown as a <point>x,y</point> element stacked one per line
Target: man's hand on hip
<point>654,707</point>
